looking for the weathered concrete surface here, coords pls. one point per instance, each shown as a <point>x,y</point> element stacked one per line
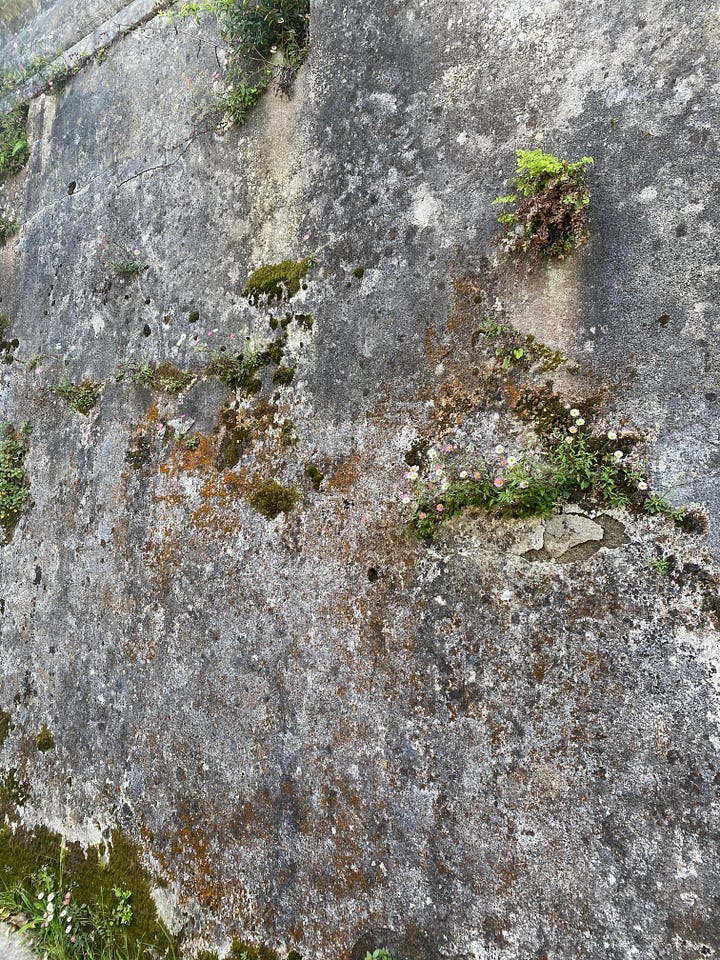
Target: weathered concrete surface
<point>471,754</point>
<point>33,27</point>
<point>11,946</point>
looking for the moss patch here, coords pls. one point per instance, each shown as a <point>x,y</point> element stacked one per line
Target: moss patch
<point>275,282</point>
<point>5,726</point>
<point>45,741</point>
<point>89,876</point>
<point>271,498</point>
<point>241,950</point>
<point>283,376</point>
<point>315,475</point>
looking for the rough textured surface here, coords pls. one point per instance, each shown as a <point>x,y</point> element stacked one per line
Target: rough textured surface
<point>325,734</point>
<point>11,946</point>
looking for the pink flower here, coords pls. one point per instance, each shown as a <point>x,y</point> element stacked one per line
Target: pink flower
<point>439,508</point>
<point>476,475</point>
<point>273,49</point>
<point>363,519</point>
<point>422,515</point>
<point>498,482</point>
<point>448,448</point>
<point>306,236</point>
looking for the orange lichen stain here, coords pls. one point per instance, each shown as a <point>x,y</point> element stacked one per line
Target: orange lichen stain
<point>346,475</point>
<point>201,459</point>
<point>152,415</point>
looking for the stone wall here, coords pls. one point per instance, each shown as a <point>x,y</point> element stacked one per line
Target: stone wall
<point>324,733</point>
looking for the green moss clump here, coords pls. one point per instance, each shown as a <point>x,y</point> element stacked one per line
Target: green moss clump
<point>271,498</point>
<point>193,316</point>
<point>5,726</point>
<point>45,741</point>
<point>315,475</point>
<point>275,282</point>
<point>359,273</point>
<point>283,376</point>
<point>90,877</point>
<point>304,321</point>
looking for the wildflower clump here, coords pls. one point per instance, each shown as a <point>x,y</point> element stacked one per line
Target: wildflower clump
<point>548,207</point>
<point>255,31</point>
<point>120,259</point>
<point>81,397</point>
<point>569,463</point>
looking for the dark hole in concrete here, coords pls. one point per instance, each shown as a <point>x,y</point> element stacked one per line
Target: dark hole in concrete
<point>373,575</point>
<point>146,330</point>
<point>71,187</point>
<point>663,320</point>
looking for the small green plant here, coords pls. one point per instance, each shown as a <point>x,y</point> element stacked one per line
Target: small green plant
<point>13,480</point>
<point>659,566</point>
<point>382,953</point>
<point>81,397</point>
<point>549,207</point>
<point>8,228</point>
<point>271,498</point>
<point>14,146</point>
<point>656,504</point>
<point>191,442</point>
<point>121,259</point>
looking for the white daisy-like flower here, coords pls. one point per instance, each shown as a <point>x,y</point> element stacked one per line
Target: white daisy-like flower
<point>612,435</point>
<point>642,485</point>
<point>580,422</point>
<point>618,454</point>
<point>575,412</point>
<point>463,474</point>
<point>499,448</point>
<point>572,429</point>
<point>512,461</point>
